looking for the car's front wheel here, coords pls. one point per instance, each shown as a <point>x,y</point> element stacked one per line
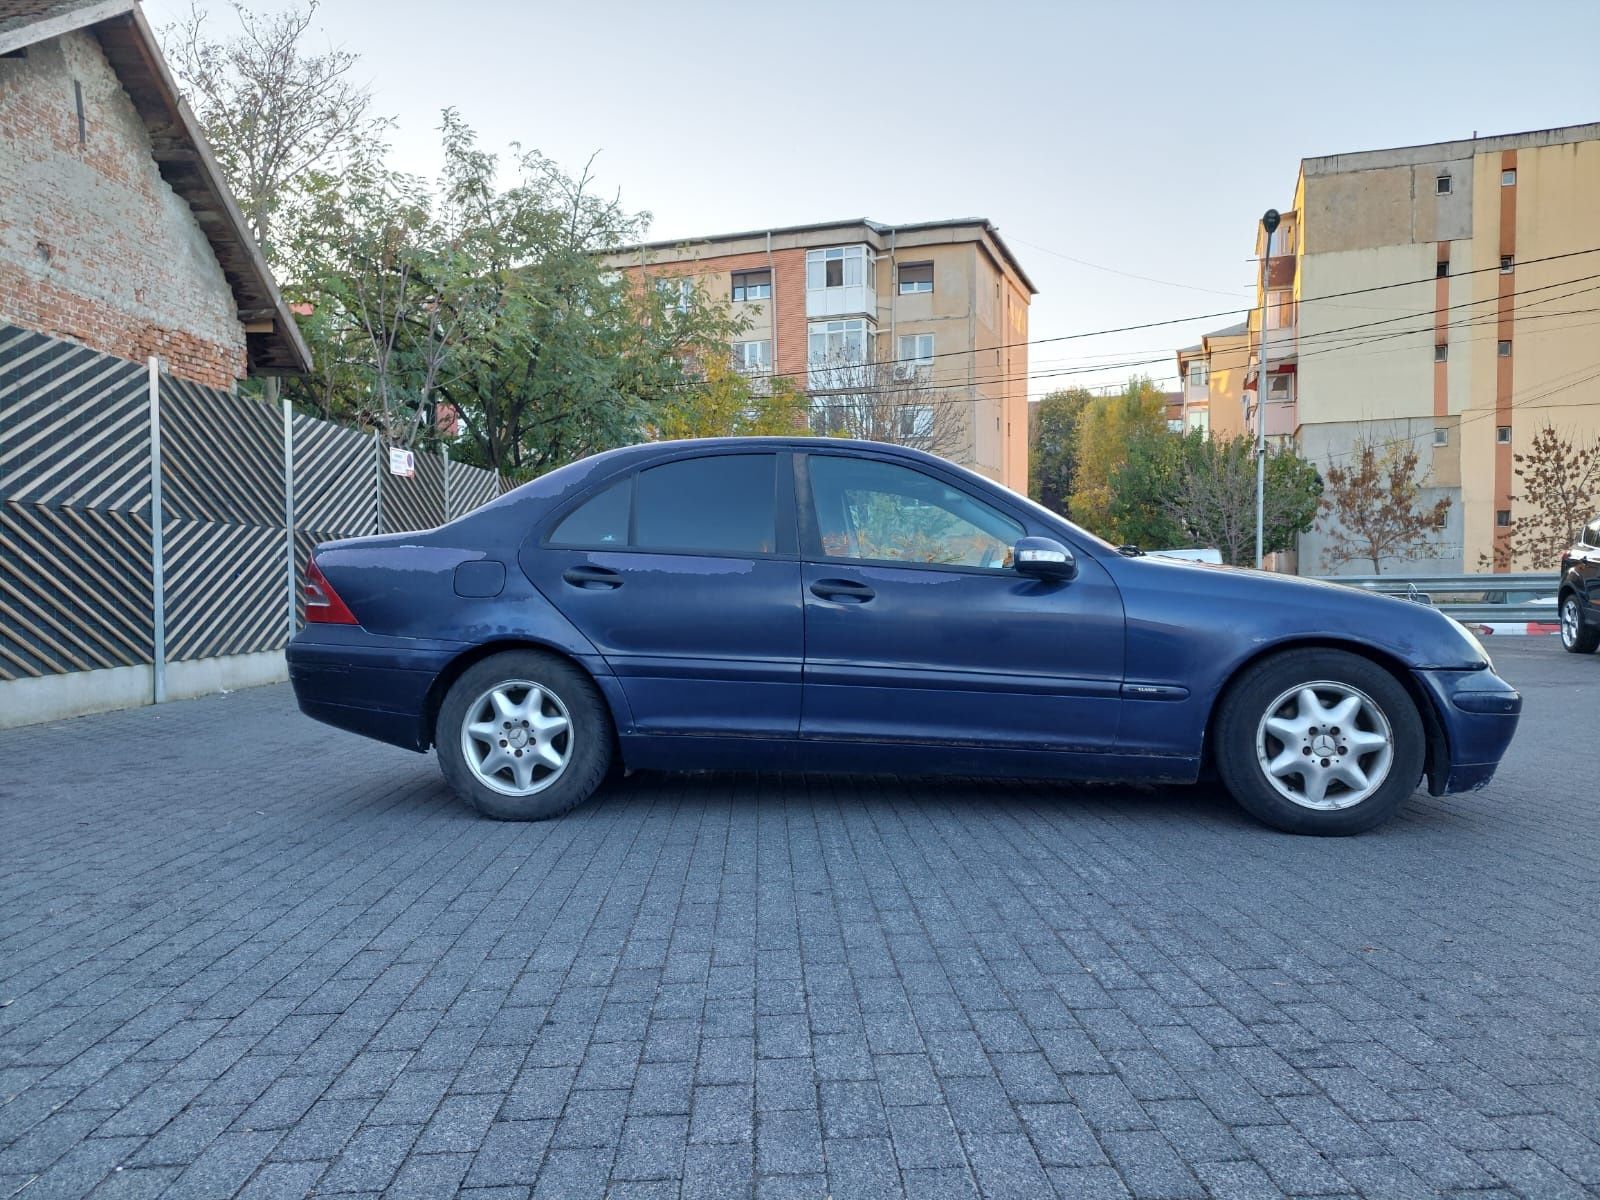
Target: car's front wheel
<point>1577,635</point>
<point>523,736</point>
<point>1320,742</point>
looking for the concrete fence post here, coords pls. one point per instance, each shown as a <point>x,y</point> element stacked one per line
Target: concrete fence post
<point>288,502</point>
<point>158,585</point>
<point>444,456</point>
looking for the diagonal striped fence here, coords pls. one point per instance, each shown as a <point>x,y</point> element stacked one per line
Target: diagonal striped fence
<point>152,531</point>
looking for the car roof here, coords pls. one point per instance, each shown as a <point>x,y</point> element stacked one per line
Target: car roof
<point>792,442</point>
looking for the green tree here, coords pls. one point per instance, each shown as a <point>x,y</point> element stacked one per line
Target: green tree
<point>491,298</point>
<point>719,400</point>
<point>1053,453</point>
<point>1107,427</point>
<point>1213,499</point>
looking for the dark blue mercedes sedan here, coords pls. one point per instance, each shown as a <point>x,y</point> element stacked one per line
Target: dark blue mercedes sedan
<point>847,606</point>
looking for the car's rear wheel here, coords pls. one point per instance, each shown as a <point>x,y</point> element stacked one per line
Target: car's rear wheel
<point>1320,742</point>
<point>524,736</point>
<point>1577,635</point>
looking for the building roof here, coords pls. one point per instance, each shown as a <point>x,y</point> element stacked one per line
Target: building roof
<point>1431,152</point>
<point>272,339</point>
<point>877,227</point>
<point>1230,331</point>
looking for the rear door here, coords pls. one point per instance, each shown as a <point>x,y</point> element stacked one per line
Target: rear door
<point>685,577</point>
<point>919,631</point>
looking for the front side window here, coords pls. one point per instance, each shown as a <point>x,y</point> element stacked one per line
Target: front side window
<point>718,505</point>
<point>916,277</point>
<point>881,512</point>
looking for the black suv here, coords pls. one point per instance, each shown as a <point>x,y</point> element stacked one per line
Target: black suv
<point>1580,591</point>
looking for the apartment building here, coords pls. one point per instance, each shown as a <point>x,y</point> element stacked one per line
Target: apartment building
<point>1212,378</point>
<point>1437,294</point>
<point>937,311</point>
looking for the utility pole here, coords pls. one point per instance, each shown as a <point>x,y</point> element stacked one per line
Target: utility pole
<point>1269,222</point>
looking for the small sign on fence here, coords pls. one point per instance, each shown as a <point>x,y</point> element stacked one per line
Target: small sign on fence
<point>402,462</point>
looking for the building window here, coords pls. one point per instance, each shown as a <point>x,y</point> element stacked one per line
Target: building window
<point>1280,309</point>
<point>1441,353</point>
<point>1197,374</point>
<point>837,343</point>
<point>1278,388</point>
<point>916,277</point>
<point>1508,177</point>
<point>1504,348</point>
<point>1502,518</point>
<point>1508,264</point>
<point>753,357</point>
<point>752,285</point>
<point>676,292</point>
<point>838,266</point>
<point>916,354</point>
<point>1502,434</point>
<point>916,422</point>
<point>1441,185</point>
<point>1442,269</point>
<point>1441,436</point>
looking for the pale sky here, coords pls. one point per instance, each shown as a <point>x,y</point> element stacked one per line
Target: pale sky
<point>1143,137</point>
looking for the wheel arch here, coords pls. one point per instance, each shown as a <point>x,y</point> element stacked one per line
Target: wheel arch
<point>473,655</point>
<point>1436,758</point>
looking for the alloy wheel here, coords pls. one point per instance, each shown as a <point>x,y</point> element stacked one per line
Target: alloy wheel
<point>1570,621</point>
<point>1324,745</point>
<point>517,737</point>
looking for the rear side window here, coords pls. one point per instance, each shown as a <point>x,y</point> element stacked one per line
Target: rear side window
<point>601,520</point>
<point>718,505</point>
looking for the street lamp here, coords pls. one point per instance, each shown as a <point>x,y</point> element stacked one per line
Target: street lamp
<point>1269,222</point>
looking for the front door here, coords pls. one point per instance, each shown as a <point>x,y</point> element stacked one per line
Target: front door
<point>684,576</point>
<point>918,630</point>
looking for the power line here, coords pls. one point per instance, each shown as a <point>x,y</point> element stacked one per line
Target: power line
<point>1234,312</point>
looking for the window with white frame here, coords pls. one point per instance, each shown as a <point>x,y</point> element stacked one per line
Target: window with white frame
<point>1441,185</point>
<point>839,266</point>
<point>916,422</point>
<point>916,277</point>
<point>1197,374</point>
<point>754,358</point>
<point>1441,435</point>
<point>915,355</point>
<point>677,292</point>
<point>837,343</point>
<point>1278,387</point>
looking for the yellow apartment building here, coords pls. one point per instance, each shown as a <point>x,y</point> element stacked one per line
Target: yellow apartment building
<point>1443,294</point>
<point>1211,375</point>
<point>941,303</point>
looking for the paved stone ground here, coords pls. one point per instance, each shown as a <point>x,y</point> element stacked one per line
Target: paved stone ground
<point>241,954</point>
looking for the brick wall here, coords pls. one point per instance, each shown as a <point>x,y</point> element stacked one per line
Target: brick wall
<point>94,246</point>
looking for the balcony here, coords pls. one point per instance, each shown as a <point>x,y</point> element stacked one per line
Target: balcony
<point>841,281</point>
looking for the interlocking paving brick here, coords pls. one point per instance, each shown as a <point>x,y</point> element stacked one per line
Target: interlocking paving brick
<point>726,986</point>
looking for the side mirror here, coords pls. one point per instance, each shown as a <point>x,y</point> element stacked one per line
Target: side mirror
<point>1043,558</point>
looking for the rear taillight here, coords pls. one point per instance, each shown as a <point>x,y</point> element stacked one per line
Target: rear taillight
<point>323,605</point>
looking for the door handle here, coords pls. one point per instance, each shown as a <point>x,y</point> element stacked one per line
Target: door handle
<point>847,590</point>
<point>592,578</point>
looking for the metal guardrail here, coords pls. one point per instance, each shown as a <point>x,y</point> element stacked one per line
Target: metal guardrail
<point>1480,597</point>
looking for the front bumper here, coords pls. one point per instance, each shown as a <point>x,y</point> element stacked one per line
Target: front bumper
<point>367,684</point>
<point>1476,715</point>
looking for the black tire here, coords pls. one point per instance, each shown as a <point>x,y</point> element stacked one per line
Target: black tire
<point>1584,637</point>
<point>589,741</point>
<point>1245,706</point>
